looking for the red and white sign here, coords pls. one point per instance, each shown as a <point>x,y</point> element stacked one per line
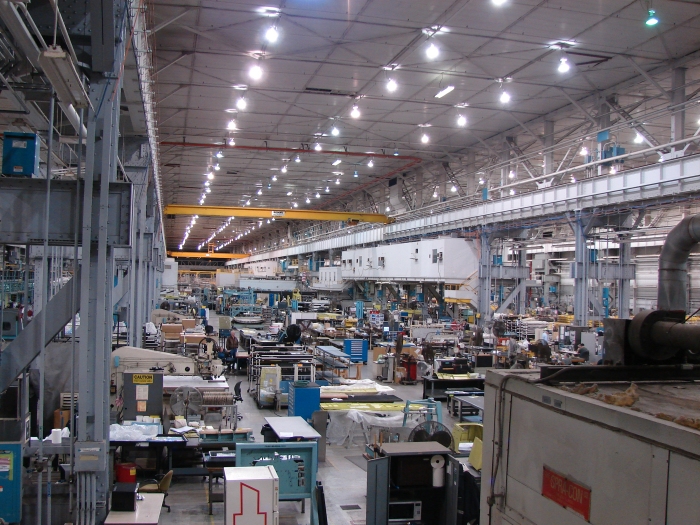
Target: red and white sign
<point>567,493</point>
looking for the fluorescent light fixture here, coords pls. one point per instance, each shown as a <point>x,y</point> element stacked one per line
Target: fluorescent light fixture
<point>274,178</point>
<point>207,183</point>
<point>370,164</point>
<point>355,113</point>
<point>387,208</point>
<point>564,66</point>
<point>461,121</point>
<point>210,176</point>
<point>297,159</point>
<point>327,189</point>
<point>241,103</point>
<point>505,97</point>
<point>391,85</point>
<point>255,72</point>
<point>337,181</point>
<point>445,91</point>
<point>435,194</point>
<point>432,52</point>
<point>308,200</point>
<point>231,141</point>
<point>424,138</point>
<point>231,125</point>
<point>336,162</point>
<point>219,155</point>
<point>652,20</point>
<point>638,139</point>
<point>498,3</point>
<point>355,174</point>
<point>318,195</point>
<point>60,70</point>
<point>289,193</point>
<point>271,34</point>
<point>335,131</point>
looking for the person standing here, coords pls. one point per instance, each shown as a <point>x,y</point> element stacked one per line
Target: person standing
<point>231,346</point>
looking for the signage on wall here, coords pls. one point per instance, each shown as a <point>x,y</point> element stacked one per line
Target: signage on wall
<point>567,493</point>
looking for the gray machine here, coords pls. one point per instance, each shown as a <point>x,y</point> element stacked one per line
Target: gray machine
<point>143,395</point>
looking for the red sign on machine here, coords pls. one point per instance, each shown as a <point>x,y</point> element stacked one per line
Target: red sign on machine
<point>567,493</point>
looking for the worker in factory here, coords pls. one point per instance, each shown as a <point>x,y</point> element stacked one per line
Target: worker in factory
<point>583,352</point>
<point>512,349</point>
<point>231,348</point>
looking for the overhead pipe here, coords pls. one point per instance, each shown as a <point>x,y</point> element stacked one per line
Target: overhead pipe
<point>673,264</point>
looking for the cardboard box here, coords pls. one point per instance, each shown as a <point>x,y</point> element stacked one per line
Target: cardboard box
<point>377,351</point>
<point>61,418</point>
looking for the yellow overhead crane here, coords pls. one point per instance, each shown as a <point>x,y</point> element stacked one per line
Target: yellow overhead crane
<point>276,213</point>
<point>209,255</point>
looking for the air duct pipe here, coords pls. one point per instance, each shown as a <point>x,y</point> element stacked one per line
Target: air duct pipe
<point>673,264</point>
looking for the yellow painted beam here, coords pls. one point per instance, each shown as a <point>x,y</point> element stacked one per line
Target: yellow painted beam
<point>207,255</point>
<point>268,213</point>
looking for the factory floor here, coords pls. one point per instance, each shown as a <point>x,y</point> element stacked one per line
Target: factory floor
<point>342,474</point>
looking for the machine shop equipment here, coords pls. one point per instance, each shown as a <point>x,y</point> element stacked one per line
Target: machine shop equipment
<point>655,344</point>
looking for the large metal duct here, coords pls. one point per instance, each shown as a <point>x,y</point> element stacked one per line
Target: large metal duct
<point>673,264</point>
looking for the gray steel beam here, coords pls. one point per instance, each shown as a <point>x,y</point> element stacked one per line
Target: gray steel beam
<point>20,198</point>
<point>484,298</point>
<point>638,127</point>
<point>510,272</point>
<point>678,101</point>
<point>510,298</point>
<point>612,272</point>
<point>624,285</point>
<point>580,272</point>
<point>26,347</point>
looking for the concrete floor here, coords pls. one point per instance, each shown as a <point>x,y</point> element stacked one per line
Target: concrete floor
<point>344,482</point>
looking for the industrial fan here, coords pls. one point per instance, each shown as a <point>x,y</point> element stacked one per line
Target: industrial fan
<point>431,431</point>
<point>186,401</point>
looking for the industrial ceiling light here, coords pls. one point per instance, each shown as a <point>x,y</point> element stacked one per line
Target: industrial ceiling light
<point>274,178</point>
<point>289,194</point>
<point>255,72</point>
<point>337,181</point>
<point>297,159</point>
<point>318,195</point>
<point>445,91</point>
<point>271,35</point>
<point>584,151</point>
<point>391,85</point>
<point>388,208</point>
<point>241,103</point>
<point>247,203</point>
<point>208,190</point>
<point>511,175</point>
<point>318,147</point>
<point>231,141</point>
<point>638,139</point>
<point>564,66</point>
<point>207,183</point>
<point>308,200</point>
<point>295,205</point>
<point>652,20</point>
<point>453,189</point>
<point>613,170</point>
<point>210,176</point>
<point>60,70</point>
<point>269,186</point>
<point>219,155</point>
<point>355,113</point>
<point>260,191</point>
<point>512,191</point>
<point>498,3</point>
<point>327,189</point>
<point>370,164</point>
<point>482,181</point>
<point>396,152</point>
<point>283,169</point>
<point>355,174</point>
<point>231,125</point>
<point>432,52</point>
<point>505,97</point>
<point>335,131</point>
<point>461,121</point>
<point>217,167</point>
<point>336,162</point>
<point>424,138</point>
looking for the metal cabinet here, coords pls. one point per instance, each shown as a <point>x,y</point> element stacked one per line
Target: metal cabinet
<point>401,474</point>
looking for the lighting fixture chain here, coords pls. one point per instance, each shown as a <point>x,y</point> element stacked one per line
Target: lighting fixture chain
<point>55,22</point>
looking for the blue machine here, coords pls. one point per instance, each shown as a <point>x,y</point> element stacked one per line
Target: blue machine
<point>20,154</point>
<point>360,309</point>
<point>303,401</point>
<point>11,482</point>
<point>357,349</point>
<point>296,465</point>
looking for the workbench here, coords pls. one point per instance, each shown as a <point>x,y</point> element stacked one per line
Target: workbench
<point>293,428</point>
<point>437,388</point>
<point>147,512</point>
<point>471,403</point>
<point>215,462</point>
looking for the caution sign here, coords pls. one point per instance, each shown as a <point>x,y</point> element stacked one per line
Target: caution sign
<point>142,379</point>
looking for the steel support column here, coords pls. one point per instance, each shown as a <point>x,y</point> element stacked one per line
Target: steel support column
<point>678,101</point>
<point>548,147</point>
<point>580,270</point>
<point>624,285</point>
<point>98,269</point>
<point>485,280</point>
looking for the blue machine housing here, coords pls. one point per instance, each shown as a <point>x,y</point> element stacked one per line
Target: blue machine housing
<point>20,154</point>
<point>357,349</point>
<point>11,482</point>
